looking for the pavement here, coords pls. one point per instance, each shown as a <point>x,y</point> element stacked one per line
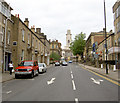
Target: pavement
<point>114,75</point>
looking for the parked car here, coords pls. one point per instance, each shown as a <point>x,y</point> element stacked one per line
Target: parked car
<point>64,63</point>
<point>70,61</point>
<point>57,64</point>
<point>42,67</point>
<point>27,68</point>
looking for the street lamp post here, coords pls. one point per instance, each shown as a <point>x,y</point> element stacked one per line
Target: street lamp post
<point>105,36</point>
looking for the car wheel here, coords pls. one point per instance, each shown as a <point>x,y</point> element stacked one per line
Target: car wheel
<point>46,70</point>
<point>37,72</point>
<point>16,76</point>
<point>32,74</point>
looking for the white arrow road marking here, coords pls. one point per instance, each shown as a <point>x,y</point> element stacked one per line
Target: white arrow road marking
<point>97,81</point>
<point>8,92</point>
<point>51,81</point>
<point>76,100</point>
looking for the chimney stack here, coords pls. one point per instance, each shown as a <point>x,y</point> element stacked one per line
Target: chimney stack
<point>38,30</point>
<point>104,30</point>
<point>33,28</point>
<point>26,22</point>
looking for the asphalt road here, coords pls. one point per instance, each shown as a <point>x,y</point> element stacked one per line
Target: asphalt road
<point>61,83</point>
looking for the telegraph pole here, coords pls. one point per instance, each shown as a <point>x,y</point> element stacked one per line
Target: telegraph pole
<point>105,36</point>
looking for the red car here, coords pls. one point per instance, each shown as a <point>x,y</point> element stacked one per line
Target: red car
<point>27,68</point>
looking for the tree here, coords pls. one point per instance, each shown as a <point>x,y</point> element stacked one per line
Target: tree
<point>54,56</point>
<point>77,46</point>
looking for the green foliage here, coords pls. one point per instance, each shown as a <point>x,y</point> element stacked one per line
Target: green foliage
<point>54,56</point>
<point>77,46</point>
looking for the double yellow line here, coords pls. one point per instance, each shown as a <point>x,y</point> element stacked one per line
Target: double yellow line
<point>115,82</point>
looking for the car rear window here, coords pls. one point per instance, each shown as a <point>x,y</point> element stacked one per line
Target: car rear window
<point>40,65</point>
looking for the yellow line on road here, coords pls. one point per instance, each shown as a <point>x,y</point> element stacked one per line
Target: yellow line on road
<point>102,76</point>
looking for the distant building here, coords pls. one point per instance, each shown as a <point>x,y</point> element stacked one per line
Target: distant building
<point>55,47</point>
<point>67,53</point>
<point>92,44</point>
<point>101,51</point>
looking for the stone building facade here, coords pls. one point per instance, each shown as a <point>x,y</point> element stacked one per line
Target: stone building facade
<point>92,42</point>
<point>20,41</point>
<point>102,53</point>
<point>28,43</point>
<point>115,50</point>
<point>6,32</point>
<point>55,47</point>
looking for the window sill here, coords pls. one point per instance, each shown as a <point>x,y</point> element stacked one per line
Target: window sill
<point>23,41</point>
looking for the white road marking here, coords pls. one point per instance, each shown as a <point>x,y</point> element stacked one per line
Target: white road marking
<point>76,100</point>
<point>8,92</point>
<point>74,88</point>
<point>71,72</point>
<point>72,76</point>
<point>30,79</point>
<point>96,81</point>
<point>51,81</point>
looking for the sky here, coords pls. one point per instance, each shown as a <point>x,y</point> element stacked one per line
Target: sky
<point>55,17</point>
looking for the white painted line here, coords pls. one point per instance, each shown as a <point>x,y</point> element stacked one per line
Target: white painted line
<point>8,92</point>
<point>72,76</point>
<point>71,72</point>
<point>76,100</point>
<point>74,88</point>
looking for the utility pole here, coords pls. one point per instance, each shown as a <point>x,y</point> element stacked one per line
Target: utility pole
<point>105,36</point>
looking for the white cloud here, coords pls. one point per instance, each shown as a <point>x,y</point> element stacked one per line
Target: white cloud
<point>56,16</point>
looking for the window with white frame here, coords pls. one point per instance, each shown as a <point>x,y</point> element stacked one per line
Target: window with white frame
<point>8,37</point>
<point>28,38</point>
<point>118,11</point>
<point>52,46</point>
<point>32,57</point>
<point>23,34</point>
<point>39,46</point>
<point>33,41</point>
<point>3,33</point>
<point>22,56</point>
<point>56,46</point>
<point>36,43</point>
<point>118,27</point>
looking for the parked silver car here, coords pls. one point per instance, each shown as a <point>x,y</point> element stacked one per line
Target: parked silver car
<point>42,67</point>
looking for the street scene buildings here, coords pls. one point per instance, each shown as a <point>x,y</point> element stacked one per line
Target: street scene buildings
<point>44,71</point>
<point>19,42</point>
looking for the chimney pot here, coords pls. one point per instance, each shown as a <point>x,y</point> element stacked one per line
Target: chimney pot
<point>26,22</point>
